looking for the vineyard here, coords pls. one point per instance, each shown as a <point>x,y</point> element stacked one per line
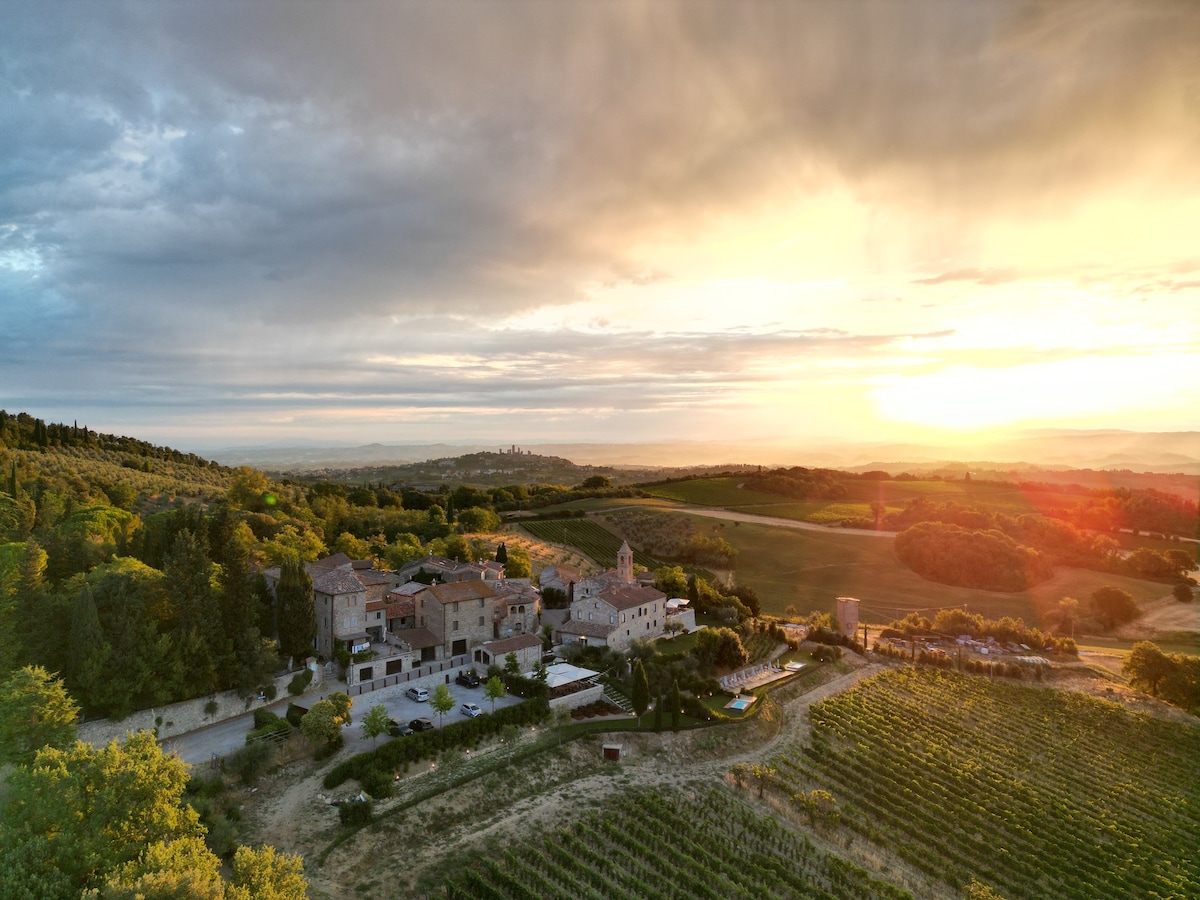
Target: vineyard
<point>592,539</point>
<point>661,844</point>
<point>1037,793</point>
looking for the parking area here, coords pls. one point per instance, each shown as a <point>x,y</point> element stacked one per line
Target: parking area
<point>223,738</point>
<point>404,710</point>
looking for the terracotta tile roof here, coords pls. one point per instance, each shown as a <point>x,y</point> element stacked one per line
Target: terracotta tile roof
<point>461,590</point>
<point>376,605</point>
<point>407,590</point>
<point>402,609</point>
<point>420,638</point>
<point>512,644</point>
<point>516,592</point>
<point>335,581</point>
<point>588,629</point>
<point>627,596</point>
<point>373,577</point>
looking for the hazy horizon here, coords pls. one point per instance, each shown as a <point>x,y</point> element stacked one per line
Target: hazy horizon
<point>231,225</point>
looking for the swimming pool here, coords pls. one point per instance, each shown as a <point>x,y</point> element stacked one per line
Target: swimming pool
<point>740,704</point>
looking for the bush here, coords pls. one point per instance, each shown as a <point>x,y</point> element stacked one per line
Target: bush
<point>356,812</point>
<point>329,749</point>
<point>694,708</point>
<point>264,717</point>
<point>394,755</point>
<point>826,653</point>
<point>294,714</point>
<point>250,762</point>
<point>378,783</point>
<point>279,730</point>
<point>299,682</point>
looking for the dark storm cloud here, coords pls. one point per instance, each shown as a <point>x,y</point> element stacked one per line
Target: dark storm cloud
<point>250,193</point>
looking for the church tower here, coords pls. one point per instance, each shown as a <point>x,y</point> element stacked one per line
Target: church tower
<point>625,564</point>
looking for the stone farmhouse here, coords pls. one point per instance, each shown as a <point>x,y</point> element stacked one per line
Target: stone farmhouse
<point>448,571</point>
<point>407,623</point>
<point>341,589</point>
<point>613,609</point>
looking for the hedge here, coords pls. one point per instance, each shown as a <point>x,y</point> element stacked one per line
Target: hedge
<point>392,756</point>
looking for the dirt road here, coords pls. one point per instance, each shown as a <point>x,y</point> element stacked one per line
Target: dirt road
<point>716,512</point>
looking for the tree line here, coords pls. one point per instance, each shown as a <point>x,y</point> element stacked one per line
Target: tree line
<point>969,547</point>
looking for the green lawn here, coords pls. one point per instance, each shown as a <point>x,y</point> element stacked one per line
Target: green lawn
<point>810,569</point>
<point>714,492</point>
<point>1002,497</point>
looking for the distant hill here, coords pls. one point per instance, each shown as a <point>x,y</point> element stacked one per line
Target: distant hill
<point>1170,452</point>
<point>487,469</point>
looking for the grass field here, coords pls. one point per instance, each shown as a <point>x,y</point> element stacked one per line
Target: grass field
<point>1001,497</point>
<point>811,569</point>
<point>1034,792</point>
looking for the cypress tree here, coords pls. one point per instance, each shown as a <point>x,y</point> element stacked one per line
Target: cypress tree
<point>89,652</point>
<point>641,690</point>
<point>294,602</point>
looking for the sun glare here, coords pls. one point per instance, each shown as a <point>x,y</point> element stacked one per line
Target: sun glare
<point>969,398</point>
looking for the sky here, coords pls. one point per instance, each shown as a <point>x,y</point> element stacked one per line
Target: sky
<point>230,224</point>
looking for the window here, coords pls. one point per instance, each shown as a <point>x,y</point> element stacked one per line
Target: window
<point>481,603</point>
<point>454,625</point>
<point>612,620</point>
<point>622,617</point>
<point>481,620</point>
<point>579,613</point>
<point>456,606</point>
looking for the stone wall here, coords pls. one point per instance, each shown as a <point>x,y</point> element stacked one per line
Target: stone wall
<point>185,716</point>
<point>579,698</point>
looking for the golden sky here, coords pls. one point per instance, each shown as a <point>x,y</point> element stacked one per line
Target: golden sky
<point>228,224</point>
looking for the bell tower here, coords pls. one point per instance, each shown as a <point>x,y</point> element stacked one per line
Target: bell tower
<point>625,564</point>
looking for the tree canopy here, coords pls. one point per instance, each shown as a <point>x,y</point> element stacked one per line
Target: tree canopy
<point>35,712</point>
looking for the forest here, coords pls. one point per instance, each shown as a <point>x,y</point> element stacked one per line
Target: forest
<point>132,569</point>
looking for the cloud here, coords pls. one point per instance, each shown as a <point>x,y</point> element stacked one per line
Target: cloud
<point>212,204</point>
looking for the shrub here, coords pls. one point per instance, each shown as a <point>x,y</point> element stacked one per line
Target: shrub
<point>277,730</point>
<point>264,717</point>
<point>329,749</point>
<point>394,755</point>
<point>356,812</point>
<point>250,762</point>
<point>294,714</point>
<point>826,653</point>
<point>299,682</point>
<point>378,783</point>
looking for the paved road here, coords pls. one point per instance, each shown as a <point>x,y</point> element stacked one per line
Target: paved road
<point>225,737</point>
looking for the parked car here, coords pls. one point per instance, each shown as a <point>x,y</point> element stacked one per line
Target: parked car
<point>398,729</point>
<point>467,679</point>
<point>470,709</point>
<point>421,724</point>
<point>418,694</point>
